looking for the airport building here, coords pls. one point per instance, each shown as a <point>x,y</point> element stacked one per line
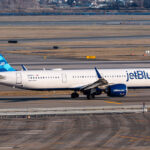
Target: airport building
<point>99,3</point>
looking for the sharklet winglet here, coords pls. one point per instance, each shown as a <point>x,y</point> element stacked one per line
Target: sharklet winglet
<point>24,68</point>
<point>98,74</point>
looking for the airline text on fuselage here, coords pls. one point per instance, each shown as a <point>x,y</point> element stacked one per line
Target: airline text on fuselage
<point>137,75</point>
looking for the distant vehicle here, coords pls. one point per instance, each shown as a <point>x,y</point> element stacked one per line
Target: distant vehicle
<point>102,5</point>
<point>91,82</point>
<point>12,41</point>
<point>55,47</point>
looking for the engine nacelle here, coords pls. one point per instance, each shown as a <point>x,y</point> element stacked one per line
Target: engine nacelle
<point>117,90</point>
<point>98,91</point>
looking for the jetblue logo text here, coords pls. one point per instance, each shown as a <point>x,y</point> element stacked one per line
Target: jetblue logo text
<point>137,75</point>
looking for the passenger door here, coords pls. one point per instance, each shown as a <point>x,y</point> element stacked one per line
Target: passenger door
<point>18,78</point>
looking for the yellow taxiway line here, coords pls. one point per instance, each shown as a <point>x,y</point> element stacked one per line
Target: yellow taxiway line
<point>111,102</point>
<point>136,138</point>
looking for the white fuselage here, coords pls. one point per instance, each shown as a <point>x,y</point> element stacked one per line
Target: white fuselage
<point>74,79</point>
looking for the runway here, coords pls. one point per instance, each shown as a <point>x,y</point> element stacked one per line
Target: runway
<point>67,39</point>
<point>38,62</point>
<point>52,64</point>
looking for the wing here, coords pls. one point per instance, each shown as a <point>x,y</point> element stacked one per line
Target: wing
<point>100,82</point>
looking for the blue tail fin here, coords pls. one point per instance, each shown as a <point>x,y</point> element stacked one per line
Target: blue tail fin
<point>4,66</point>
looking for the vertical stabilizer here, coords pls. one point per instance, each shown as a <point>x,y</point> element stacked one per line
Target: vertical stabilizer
<point>4,66</point>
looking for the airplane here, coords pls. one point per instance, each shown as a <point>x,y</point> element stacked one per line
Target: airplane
<point>90,82</point>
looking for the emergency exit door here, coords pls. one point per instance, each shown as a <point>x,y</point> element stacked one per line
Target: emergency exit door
<point>18,78</point>
<point>64,78</point>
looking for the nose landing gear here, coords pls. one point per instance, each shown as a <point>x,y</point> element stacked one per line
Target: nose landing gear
<point>74,95</point>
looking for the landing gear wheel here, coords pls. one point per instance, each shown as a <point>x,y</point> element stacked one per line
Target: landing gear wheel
<point>93,96</point>
<point>74,95</point>
<point>89,96</point>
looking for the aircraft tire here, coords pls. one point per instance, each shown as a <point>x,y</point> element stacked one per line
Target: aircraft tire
<point>74,95</point>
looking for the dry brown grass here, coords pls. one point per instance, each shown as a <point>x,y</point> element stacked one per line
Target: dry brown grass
<point>32,93</point>
<point>66,18</point>
<point>125,52</point>
<point>72,31</point>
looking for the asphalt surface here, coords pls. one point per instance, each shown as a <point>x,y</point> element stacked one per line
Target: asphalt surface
<point>92,38</point>
<point>75,22</point>
<point>17,47</point>
<point>38,62</point>
<point>76,132</point>
<point>86,132</point>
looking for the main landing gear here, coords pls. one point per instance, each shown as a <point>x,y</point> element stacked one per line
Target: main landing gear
<point>90,96</point>
<point>74,95</point>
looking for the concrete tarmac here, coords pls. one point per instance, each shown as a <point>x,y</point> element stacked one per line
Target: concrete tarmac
<point>38,62</point>
<point>81,132</point>
<point>76,132</point>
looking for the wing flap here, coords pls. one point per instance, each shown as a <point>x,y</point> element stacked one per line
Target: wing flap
<point>98,83</point>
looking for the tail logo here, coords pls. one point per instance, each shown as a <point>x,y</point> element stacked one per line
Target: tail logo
<point>2,63</point>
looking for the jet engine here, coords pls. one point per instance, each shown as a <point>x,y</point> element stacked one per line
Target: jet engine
<point>116,90</point>
<point>98,91</point>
